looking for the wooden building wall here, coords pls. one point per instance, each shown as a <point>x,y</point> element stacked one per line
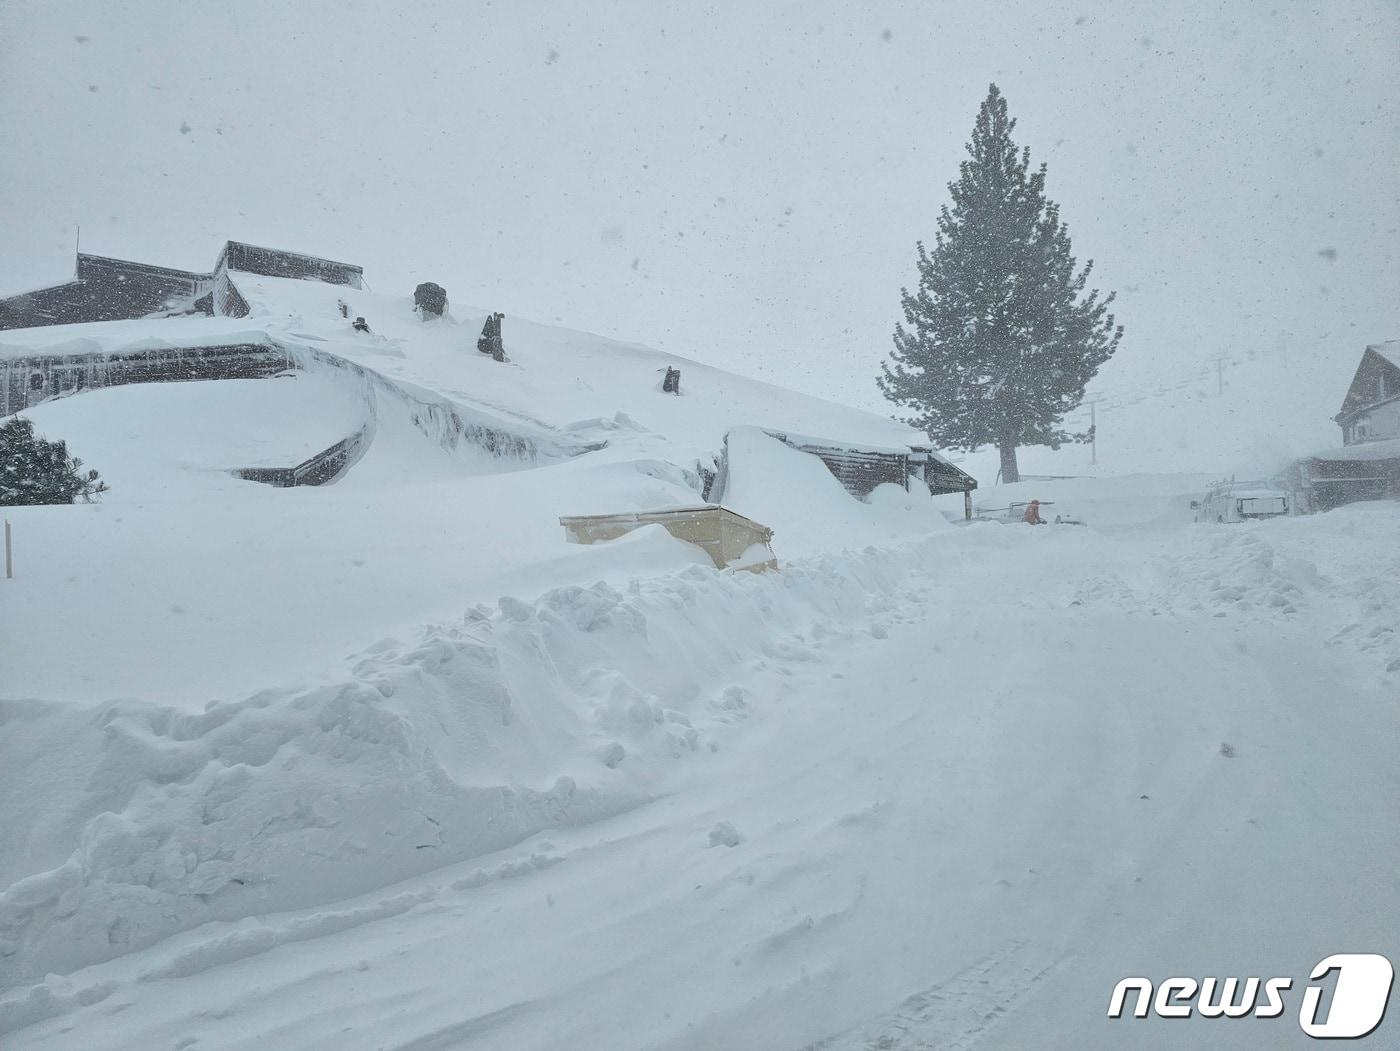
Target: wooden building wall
<point>273,262</point>
<point>227,300</point>
<point>29,380</point>
<point>1326,483</point>
<point>860,471</point>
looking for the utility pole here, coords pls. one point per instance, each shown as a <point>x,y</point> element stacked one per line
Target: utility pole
<point>1092,402</point>
<point>1093,434</point>
<point>1093,428</point>
<point>1219,360</point>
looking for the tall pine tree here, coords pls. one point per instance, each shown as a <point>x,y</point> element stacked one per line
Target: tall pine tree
<point>1000,338</point>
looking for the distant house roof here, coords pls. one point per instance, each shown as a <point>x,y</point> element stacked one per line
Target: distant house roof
<point>1390,350</point>
<point>104,288</point>
<point>1378,361</point>
<point>86,261</point>
<point>861,467</point>
<point>277,262</point>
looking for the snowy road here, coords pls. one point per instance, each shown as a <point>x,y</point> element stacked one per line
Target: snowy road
<point>1040,762</point>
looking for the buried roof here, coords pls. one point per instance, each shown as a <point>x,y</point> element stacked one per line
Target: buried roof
<point>726,536</point>
<point>105,288</point>
<point>593,388</point>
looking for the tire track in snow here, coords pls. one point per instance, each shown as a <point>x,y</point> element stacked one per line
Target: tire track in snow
<point>953,1014</point>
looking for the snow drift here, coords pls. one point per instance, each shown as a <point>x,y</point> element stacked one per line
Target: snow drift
<point>795,495</point>
<point>148,819</point>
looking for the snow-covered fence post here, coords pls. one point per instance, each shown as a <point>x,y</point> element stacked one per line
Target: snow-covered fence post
<point>9,560</point>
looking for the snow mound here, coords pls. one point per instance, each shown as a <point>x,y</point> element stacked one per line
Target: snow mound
<point>795,495</point>
<point>147,439</point>
<point>131,821</point>
<point>1127,502</point>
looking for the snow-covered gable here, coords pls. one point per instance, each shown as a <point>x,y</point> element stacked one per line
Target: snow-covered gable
<point>1389,350</point>
<point>1371,409</point>
<point>1377,379</point>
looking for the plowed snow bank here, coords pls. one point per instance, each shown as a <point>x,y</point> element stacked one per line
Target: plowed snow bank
<point>527,716</point>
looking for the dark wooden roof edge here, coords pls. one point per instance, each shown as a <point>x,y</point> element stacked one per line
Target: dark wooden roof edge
<point>287,251</point>
<point>837,446</point>
<point>167,271</point>
<point>962,480</point>
<point>26,293</point>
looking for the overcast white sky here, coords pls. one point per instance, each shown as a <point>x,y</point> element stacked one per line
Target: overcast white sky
<point>737,182</point>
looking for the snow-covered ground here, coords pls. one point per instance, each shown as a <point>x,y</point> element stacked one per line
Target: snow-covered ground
<point>237,586</point>
<point>389,764</point>
<point>831,806</point>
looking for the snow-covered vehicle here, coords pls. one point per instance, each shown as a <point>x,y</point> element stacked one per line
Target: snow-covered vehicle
<point>1240,502</point>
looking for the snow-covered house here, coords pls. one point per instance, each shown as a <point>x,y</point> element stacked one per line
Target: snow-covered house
<point>1371,410</point>
<point>861,468</point>
<point>1367,467</point>
<point>107,289</point>
<point>262,313</point>
<point>28,378</point>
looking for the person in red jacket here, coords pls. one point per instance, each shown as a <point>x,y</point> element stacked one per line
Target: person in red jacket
<point>1032,515</point>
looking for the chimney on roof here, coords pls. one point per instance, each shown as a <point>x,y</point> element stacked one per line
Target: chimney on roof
<point>430,300</point>
<point>490,341</point>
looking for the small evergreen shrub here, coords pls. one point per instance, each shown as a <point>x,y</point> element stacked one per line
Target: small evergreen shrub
<point>36,471</point>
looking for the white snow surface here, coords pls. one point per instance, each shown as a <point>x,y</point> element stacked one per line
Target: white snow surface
<point>827,806</point>
<point>555,377</point>
<point>284,584</point>
<point>390,764</point>
<point>150,436</point>
<point>1381,449</point>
